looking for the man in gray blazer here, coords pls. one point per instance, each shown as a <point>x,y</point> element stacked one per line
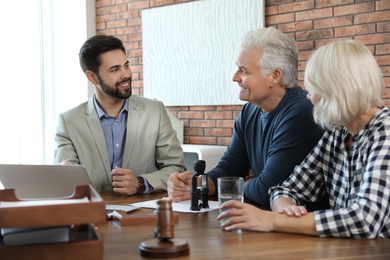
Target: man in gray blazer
<point>126,142</point>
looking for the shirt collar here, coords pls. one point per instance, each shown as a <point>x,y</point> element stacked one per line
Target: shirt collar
<point>100,111</point>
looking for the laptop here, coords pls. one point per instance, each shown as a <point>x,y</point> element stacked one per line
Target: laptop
<point>48,181</point>
<point>42,181</point>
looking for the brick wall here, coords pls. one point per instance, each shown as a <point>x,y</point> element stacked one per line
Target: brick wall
<point>312,23</point>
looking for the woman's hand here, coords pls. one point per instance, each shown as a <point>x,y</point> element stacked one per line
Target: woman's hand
<point>239,215</point>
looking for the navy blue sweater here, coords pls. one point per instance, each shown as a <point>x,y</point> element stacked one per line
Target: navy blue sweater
<point>270,144</point>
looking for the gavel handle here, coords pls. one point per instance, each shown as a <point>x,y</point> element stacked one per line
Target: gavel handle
<point>132,220</point>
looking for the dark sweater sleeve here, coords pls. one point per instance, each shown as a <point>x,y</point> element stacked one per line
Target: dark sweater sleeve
<point>235,161</point>
<point>294,136</point>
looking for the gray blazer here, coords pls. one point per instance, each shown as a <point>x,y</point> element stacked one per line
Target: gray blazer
<point>152,148</point>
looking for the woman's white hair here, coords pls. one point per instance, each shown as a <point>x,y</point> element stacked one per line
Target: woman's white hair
<point>278,52</point>
<point>348,80</point>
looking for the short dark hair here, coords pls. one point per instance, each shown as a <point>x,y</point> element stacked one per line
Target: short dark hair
<point>92,48</point>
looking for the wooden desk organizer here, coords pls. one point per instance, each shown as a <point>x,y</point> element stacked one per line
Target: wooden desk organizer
<point>84,242</point>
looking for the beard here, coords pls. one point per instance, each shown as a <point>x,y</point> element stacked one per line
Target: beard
<point>115,92</point>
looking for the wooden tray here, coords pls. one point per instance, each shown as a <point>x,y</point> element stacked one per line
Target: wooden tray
<point>84,244</point>
<point>92,211</point>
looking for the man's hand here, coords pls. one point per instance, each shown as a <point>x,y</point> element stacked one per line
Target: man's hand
<point>124,181</point>
<point>179,186</point>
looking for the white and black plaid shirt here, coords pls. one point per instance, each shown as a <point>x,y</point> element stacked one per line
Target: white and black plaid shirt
<point>357,181</point>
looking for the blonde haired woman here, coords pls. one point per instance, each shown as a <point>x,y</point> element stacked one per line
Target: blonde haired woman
<point>350,164</point>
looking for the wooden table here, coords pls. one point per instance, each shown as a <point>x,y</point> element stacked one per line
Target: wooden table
<point>208,241</point>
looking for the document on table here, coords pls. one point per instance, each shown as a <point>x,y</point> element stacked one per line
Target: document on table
<point>181,206</point>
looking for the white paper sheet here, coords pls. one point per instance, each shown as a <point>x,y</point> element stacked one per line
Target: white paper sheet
<point>181,206</point>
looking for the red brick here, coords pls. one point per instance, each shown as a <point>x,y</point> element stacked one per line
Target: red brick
<point>116,24</point>
<point>314,34</point>
<point>229,107</point>
<point>126,15</point>
<point>105,18</point>
<point>278,19</point>
<point>382,5</point>
<point>294,7</point>
<point>116,8</point>
<point>378,38</point>
<point>134,53</point>
<point>278,2</point>
<point>193,131</point>
<point>333,22</point>
<point>210,108</point>
<point>136,69</point>
<point>124,1</point>
<point>329,3</point>
<point>372,17</point>
<point>383,60</point>
<point>203,140</point>
<point>138,5</point>
<point>307,45</point>
<point>382,49</point>
<point>217,132</point>
<point>225,123</point>
<point>108,31</point>
<point>129,30</point>
<point>297,26</point>
<point>135,76</point>
<point>270,10</point>
<point>100,3</point>
<point>383,27</point>
<point>178,108</point>
<point>190,114</point>
<point>304,55</point>
<point>354,9</point>
<point>154,3</point>
<point>218,115</point>
<point>101,11</point>
<point>354,30</point>
<point>182,1</point>
<point>202,123</point>
<point>137,84</point>
<point>314,14</point>
<point>101,26</point>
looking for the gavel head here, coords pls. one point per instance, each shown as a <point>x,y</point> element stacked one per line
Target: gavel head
<point>200,166</point>
<point>165,221</point>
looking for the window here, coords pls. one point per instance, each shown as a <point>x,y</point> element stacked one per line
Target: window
<point>40,73</point>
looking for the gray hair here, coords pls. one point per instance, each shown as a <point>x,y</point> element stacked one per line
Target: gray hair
<point>347,79</point>
<point>278,52</point>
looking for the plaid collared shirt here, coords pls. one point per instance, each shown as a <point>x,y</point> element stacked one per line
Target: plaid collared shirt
<point>356,180</point>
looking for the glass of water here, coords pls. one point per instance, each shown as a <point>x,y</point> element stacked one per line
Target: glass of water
<point>230,188</point>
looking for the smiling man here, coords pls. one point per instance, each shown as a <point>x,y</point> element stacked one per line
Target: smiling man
<point>126,142</point>
<point>275,129</point>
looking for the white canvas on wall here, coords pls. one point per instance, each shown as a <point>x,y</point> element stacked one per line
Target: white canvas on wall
<point>190,50</point>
